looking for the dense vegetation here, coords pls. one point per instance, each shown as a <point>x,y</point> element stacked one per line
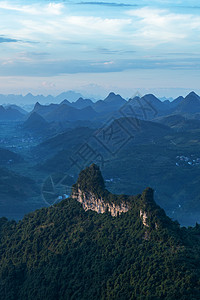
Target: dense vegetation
<point>63,252</point>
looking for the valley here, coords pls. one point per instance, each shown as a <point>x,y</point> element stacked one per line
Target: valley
<point>157,151</point>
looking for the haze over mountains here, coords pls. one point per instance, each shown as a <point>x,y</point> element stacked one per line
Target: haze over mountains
<point>30,99</point>
<point>78,236</point>
<point>158,138</point>
<point>10,114</point>
<point>86,109</point>
<point>85,112</point>
<point>189,104</point>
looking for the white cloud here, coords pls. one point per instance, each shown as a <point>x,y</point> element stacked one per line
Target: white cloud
<point>34,9</point>
<point>54,23</point>
<point>143,27</point>
<point>72,28</point>
<point>54,8</point>
<point>106,63</point>
<point>107,26</point>
<point>7,62</point>
<point>73,34</point>
<point>157,26</point>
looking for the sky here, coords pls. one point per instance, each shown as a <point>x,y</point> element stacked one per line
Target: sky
<point>95,47</point>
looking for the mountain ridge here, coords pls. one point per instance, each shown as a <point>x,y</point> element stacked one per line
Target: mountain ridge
<point>10,114</point>
<point>90,191</point>
<point>148,107</point>
<point>62,252</point>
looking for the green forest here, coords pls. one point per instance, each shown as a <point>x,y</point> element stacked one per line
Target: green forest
<point>63,252</point>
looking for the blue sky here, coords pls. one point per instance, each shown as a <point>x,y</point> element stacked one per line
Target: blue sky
<point>98,46</point>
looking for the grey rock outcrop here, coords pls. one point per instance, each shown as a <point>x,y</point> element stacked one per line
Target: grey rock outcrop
<point>90,202</point>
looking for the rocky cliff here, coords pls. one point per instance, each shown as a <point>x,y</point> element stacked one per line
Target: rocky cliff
<point>98,204</point>
<point>90,191</point>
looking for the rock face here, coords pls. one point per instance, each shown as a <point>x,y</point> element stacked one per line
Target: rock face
<point>90,191</point>
<point>150,213</point>
<point>143,216</point>
<point>90,201</point>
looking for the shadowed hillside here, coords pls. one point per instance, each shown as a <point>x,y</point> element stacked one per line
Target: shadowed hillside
<point>64,252</point>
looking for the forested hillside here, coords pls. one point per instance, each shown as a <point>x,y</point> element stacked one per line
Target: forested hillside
<point>63,252</point>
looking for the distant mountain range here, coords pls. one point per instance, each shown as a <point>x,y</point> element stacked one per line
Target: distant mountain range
<point>10,114</point>
<point>31,99</point>
<point>189,105</point>
<point>14,106</point>
<point>148,107</point>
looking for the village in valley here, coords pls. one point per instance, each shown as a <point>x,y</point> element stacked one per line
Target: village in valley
<point>191,160</point>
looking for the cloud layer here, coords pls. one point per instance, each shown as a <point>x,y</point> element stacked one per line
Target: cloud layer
<point>80,37</point>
